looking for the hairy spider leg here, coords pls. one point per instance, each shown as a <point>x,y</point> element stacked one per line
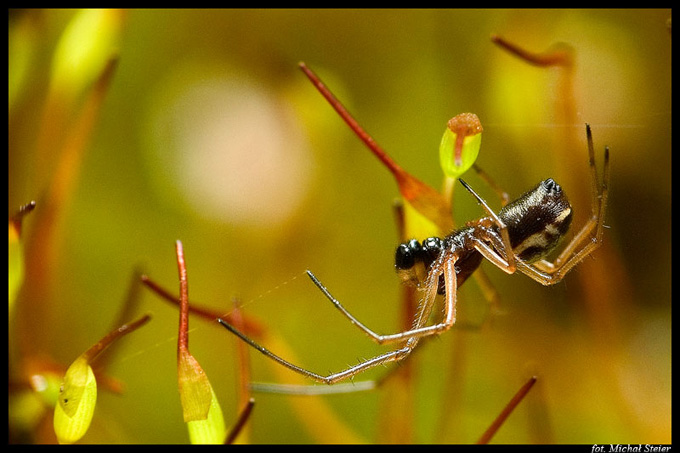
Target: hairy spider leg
<point>543,271</point>
<point>550,273</point>
<point>502,194</point>
<point>411,337</point>
<point>507,262</point>
<point>569,258</point>
<point>499,252</point>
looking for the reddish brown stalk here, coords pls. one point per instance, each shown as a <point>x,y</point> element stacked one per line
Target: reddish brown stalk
<point>43,252</point>
<point>558,55</point>
<point>396,170</point>
<point>183,336</point>
<point>194,388</point>
<point>507,410</point>
<point>126,312</point>
<point>105,342</point>
<point>250,325</point>
<point>424,198</point>
<point>241,422</point>
<point>606,286</point>
<point>243,357</point>
<point>18,217</point>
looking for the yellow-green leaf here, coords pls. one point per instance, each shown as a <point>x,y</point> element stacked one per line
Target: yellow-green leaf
<point>78,397</point>
<point>86,46</point>
<point>194,388</point>
<point>416,225</point>
<point>212,430</point>
<point>16,265</point>
<point>460,144</point>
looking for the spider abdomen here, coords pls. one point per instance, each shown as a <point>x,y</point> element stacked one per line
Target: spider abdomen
<point>537,220</point>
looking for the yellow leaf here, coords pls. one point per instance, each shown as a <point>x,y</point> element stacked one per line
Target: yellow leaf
<point>85,47</point>
<point>194,388</point>
<point>78,397</point>
<point>16,265</point>
<point>212,430</point>
<point>417,226</point>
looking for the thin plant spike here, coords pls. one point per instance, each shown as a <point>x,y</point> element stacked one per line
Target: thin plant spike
<point>507,410</point>
<point>200,408</point>
<point>421,196</point>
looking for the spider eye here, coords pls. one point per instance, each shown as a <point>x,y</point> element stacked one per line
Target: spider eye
<point>432,247</point>
<point>550,186</point>
<point>407,254</point>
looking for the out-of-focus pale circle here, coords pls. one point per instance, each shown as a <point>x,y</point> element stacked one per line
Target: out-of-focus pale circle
<point>232,151</point>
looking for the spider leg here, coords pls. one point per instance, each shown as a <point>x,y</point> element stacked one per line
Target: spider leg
<point>502,194</point>
<point>549,273</point>
<point>507,264</point>
<point>391,356</point>
<point>419,329</point>
<point>543,271</point>
<point>412,336</point>
<point>495,258</point>
<point>489,292</point>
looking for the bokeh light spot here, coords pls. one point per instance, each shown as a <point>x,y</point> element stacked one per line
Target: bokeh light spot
<point>228,148</point>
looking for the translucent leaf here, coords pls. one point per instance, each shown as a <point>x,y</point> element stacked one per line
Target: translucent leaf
<point>78,393</point>
<point>73,414</point>
<point>417,225</point>
<point>212,429</point>
<point>429,203</point>
<point>460,144</point>
<point>200,408</point>
<point>194,388</point>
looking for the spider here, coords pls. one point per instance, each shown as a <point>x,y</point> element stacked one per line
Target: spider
<point>517,238</point>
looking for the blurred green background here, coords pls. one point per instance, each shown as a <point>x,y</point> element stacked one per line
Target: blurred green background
<point>210,134</point>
